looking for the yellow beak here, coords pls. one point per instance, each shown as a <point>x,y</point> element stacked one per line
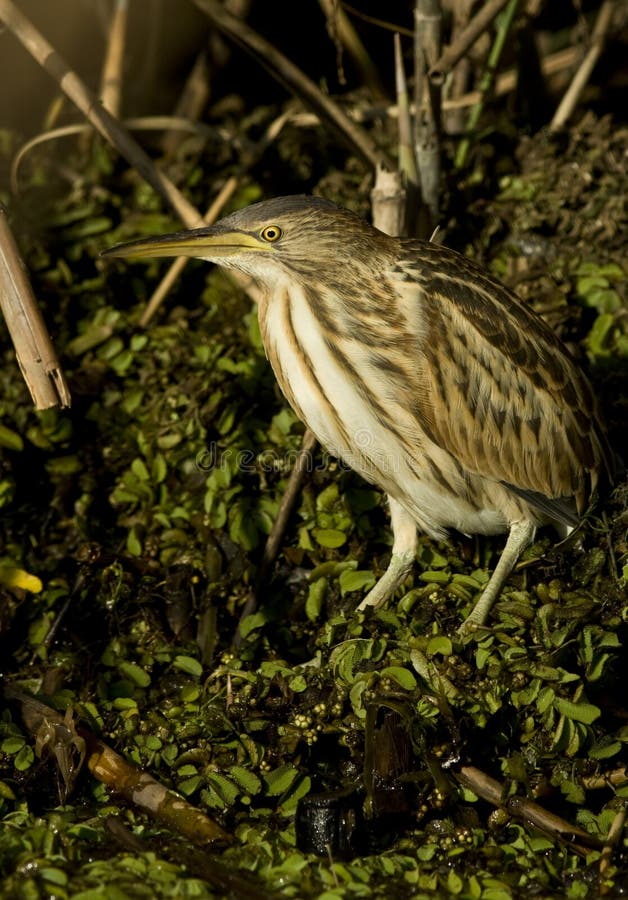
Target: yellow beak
<point>213,243</point>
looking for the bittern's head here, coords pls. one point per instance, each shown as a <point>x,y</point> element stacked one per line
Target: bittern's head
<point>290,236</point>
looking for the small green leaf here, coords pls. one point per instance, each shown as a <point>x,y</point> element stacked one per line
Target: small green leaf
<point>189,785</point>
<point>355,580</point>
<point>134,673</point>
<point>281,780</point>
<point>10,439</point>
<point>188,664</point>
<point>53,876</point>
<point>329,537</point>
<point>13,577</point>
<point>455,883</point>
<point>159,468</point>
<point>24,759</point>
<point>434,576</point>
<point>315,598</point>
<point>403,677</point>
<point>6,792</point>
<point>605,748</point>
<point>12,745</point>
<point>247,781</point>
<point>577,712</point>
<point>439,644</point>
<point>297,684</point>
<point>139,469</point>
<point>252,623</point>
<point>133,542</point>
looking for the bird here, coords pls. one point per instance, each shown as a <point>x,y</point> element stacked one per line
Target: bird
<point>421,371</point>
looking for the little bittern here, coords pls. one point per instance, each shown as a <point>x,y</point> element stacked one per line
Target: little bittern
<point>418,369</point>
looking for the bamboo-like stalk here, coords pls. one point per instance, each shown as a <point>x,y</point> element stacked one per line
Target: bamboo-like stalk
<point>407,158</point>
<point>33,348</point>
<point>427,23</point>
<point>391,191</point>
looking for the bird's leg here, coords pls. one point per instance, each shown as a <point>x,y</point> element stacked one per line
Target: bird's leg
<point>520,535</point>
<point>403,554</point>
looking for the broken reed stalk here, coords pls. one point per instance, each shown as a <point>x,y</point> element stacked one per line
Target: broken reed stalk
<point>64,738</point>
<point>427,115</point>
<point>33,348</point>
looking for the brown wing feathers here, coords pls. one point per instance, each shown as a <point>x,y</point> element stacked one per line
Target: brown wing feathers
<point>505,399</point>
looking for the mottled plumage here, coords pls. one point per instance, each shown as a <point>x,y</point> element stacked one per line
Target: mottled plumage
<point>419,370</point>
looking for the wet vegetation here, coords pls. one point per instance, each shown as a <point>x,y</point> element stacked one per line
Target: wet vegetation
<point>340,754</point>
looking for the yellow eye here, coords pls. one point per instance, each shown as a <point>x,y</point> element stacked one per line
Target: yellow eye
<point>271,233</point>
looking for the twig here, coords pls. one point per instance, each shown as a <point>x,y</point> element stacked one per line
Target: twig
<point>519,807</point>
<point>407,156</point>
<point>293,78</point>
<point>476,27</point>
<point>87,102</point>
<point>143,123</point>
<point>581,78</point>
<point>487,79</point>
<point>192,100</point>
<point>612,839</point>
<point>54,732</point>
<point>379,23</point>
<point>504,84</point>
<point>212,214</point>
<point>111,82</point>
<point>33,348</point>
<point>275,538</point>
<point>453,119</point>
<point>340,26</point>
<point>605,780</point>
<point>174,271</point>
<point>301,467</point>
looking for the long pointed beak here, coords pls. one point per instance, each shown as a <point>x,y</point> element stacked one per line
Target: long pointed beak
<point>211,243</point>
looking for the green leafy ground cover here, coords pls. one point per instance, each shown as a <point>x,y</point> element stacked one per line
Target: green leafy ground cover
<point>145,508</point>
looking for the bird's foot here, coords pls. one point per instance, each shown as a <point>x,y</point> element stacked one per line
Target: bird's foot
<point>394,576</point>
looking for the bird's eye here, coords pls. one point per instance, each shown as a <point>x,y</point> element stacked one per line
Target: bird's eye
<point>271,233</point>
